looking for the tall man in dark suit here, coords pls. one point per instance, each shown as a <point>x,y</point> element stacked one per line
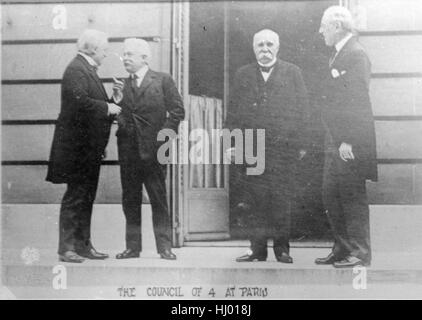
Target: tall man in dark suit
<point>81,135</point>
<point>268,94</point>
<point>150,102</point>
<point>351,154</point>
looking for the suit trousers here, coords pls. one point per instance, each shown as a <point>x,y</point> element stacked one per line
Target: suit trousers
<point>76,212</point>
<point>134,174</point>
<point>270,217</point>
<point>346,204</point>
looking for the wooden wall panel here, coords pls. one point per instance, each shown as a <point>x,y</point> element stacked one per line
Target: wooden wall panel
<point>33,50</point>
<point>396,96</point>
<point>33,142</point>
<point>418,183</point>
<point>29,21</point>
<point>26,184</point>
<point>394,186</point>
<point>29,61</point>
<point>33,101</point>
<point>391,15</point>
<point>394,53</point>
<point>25,143</point>
<point>30,102</point>
<point>399,139</point>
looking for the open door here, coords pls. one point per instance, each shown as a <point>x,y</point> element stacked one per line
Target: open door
<point>201,204</point>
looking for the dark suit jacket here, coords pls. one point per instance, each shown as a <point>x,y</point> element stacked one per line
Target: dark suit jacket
<point>144,113</point>
<point>83,126</point>
<point>282,112</point>
<point>347,108</point>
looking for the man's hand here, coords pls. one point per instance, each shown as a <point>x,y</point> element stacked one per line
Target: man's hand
<point>113,109</point>
<point>302,154</point>
<point>345,152</point>
<point>118,90</point>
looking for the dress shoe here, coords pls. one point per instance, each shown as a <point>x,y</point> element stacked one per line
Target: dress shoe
<point>349,262</point>
<point>93,254</point>
<point>330,259</point>
<point>127,254</point>
<point>168,255</point>
<point>251,256</point>
<point>284,258</point>
<point>71,256</point>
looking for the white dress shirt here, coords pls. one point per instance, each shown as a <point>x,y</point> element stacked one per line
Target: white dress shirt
<point>141,74</point>
<point>140,77</point>
<point>266,75</point>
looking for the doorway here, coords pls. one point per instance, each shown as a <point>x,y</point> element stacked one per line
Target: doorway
<point>220,42</point>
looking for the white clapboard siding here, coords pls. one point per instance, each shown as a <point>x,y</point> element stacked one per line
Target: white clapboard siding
<point>33,101</point>
<point>392,15</point>
<point>28,61</point>
<point>30,101</point>
<point>399,139</point>
<point>34,53</point>
<point>35,21</point>
<point>26,184</point>
<point>390,54</point>
<point>394,185</point>
<point>33,142</point>
<point>396,96</point>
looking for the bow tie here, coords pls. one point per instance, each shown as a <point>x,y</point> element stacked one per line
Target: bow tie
<point>265,69</point>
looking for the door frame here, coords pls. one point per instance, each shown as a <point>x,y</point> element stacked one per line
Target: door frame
<point>180,72</point>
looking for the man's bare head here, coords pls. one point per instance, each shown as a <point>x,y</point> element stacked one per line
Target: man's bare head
<point>266,44</point>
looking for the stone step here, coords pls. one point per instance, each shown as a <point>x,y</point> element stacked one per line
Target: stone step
<point>209,268</point>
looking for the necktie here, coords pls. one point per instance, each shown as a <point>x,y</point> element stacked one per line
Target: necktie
<point>133,81</point>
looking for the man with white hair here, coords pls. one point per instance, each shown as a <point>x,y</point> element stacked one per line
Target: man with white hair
<point>351,145</point>
<point>81,135</point>
<point>268,94</point>
<point>150,102</point>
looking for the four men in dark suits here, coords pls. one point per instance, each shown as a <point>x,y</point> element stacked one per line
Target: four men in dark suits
<point>150,102</point>
<point>81,135</point>
<point>351,148</point>
<point>269,94</point>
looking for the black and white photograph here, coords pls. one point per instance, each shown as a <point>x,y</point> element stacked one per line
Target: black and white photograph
<point>211,150</point>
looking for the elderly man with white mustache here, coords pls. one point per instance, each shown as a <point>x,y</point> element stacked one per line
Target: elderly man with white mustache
<point>268,94</point>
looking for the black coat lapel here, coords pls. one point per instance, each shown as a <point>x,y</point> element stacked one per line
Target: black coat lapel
<point>347,47</point>
<point>251,80</point>
<point>93,74</point>
<point>277,77</point>
<point>99,83</point>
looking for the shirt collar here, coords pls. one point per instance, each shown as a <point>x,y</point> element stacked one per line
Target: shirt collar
<point>269,64</point>
<point>142,71</point>
<point>339,45</point>
<point>88,59</point>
